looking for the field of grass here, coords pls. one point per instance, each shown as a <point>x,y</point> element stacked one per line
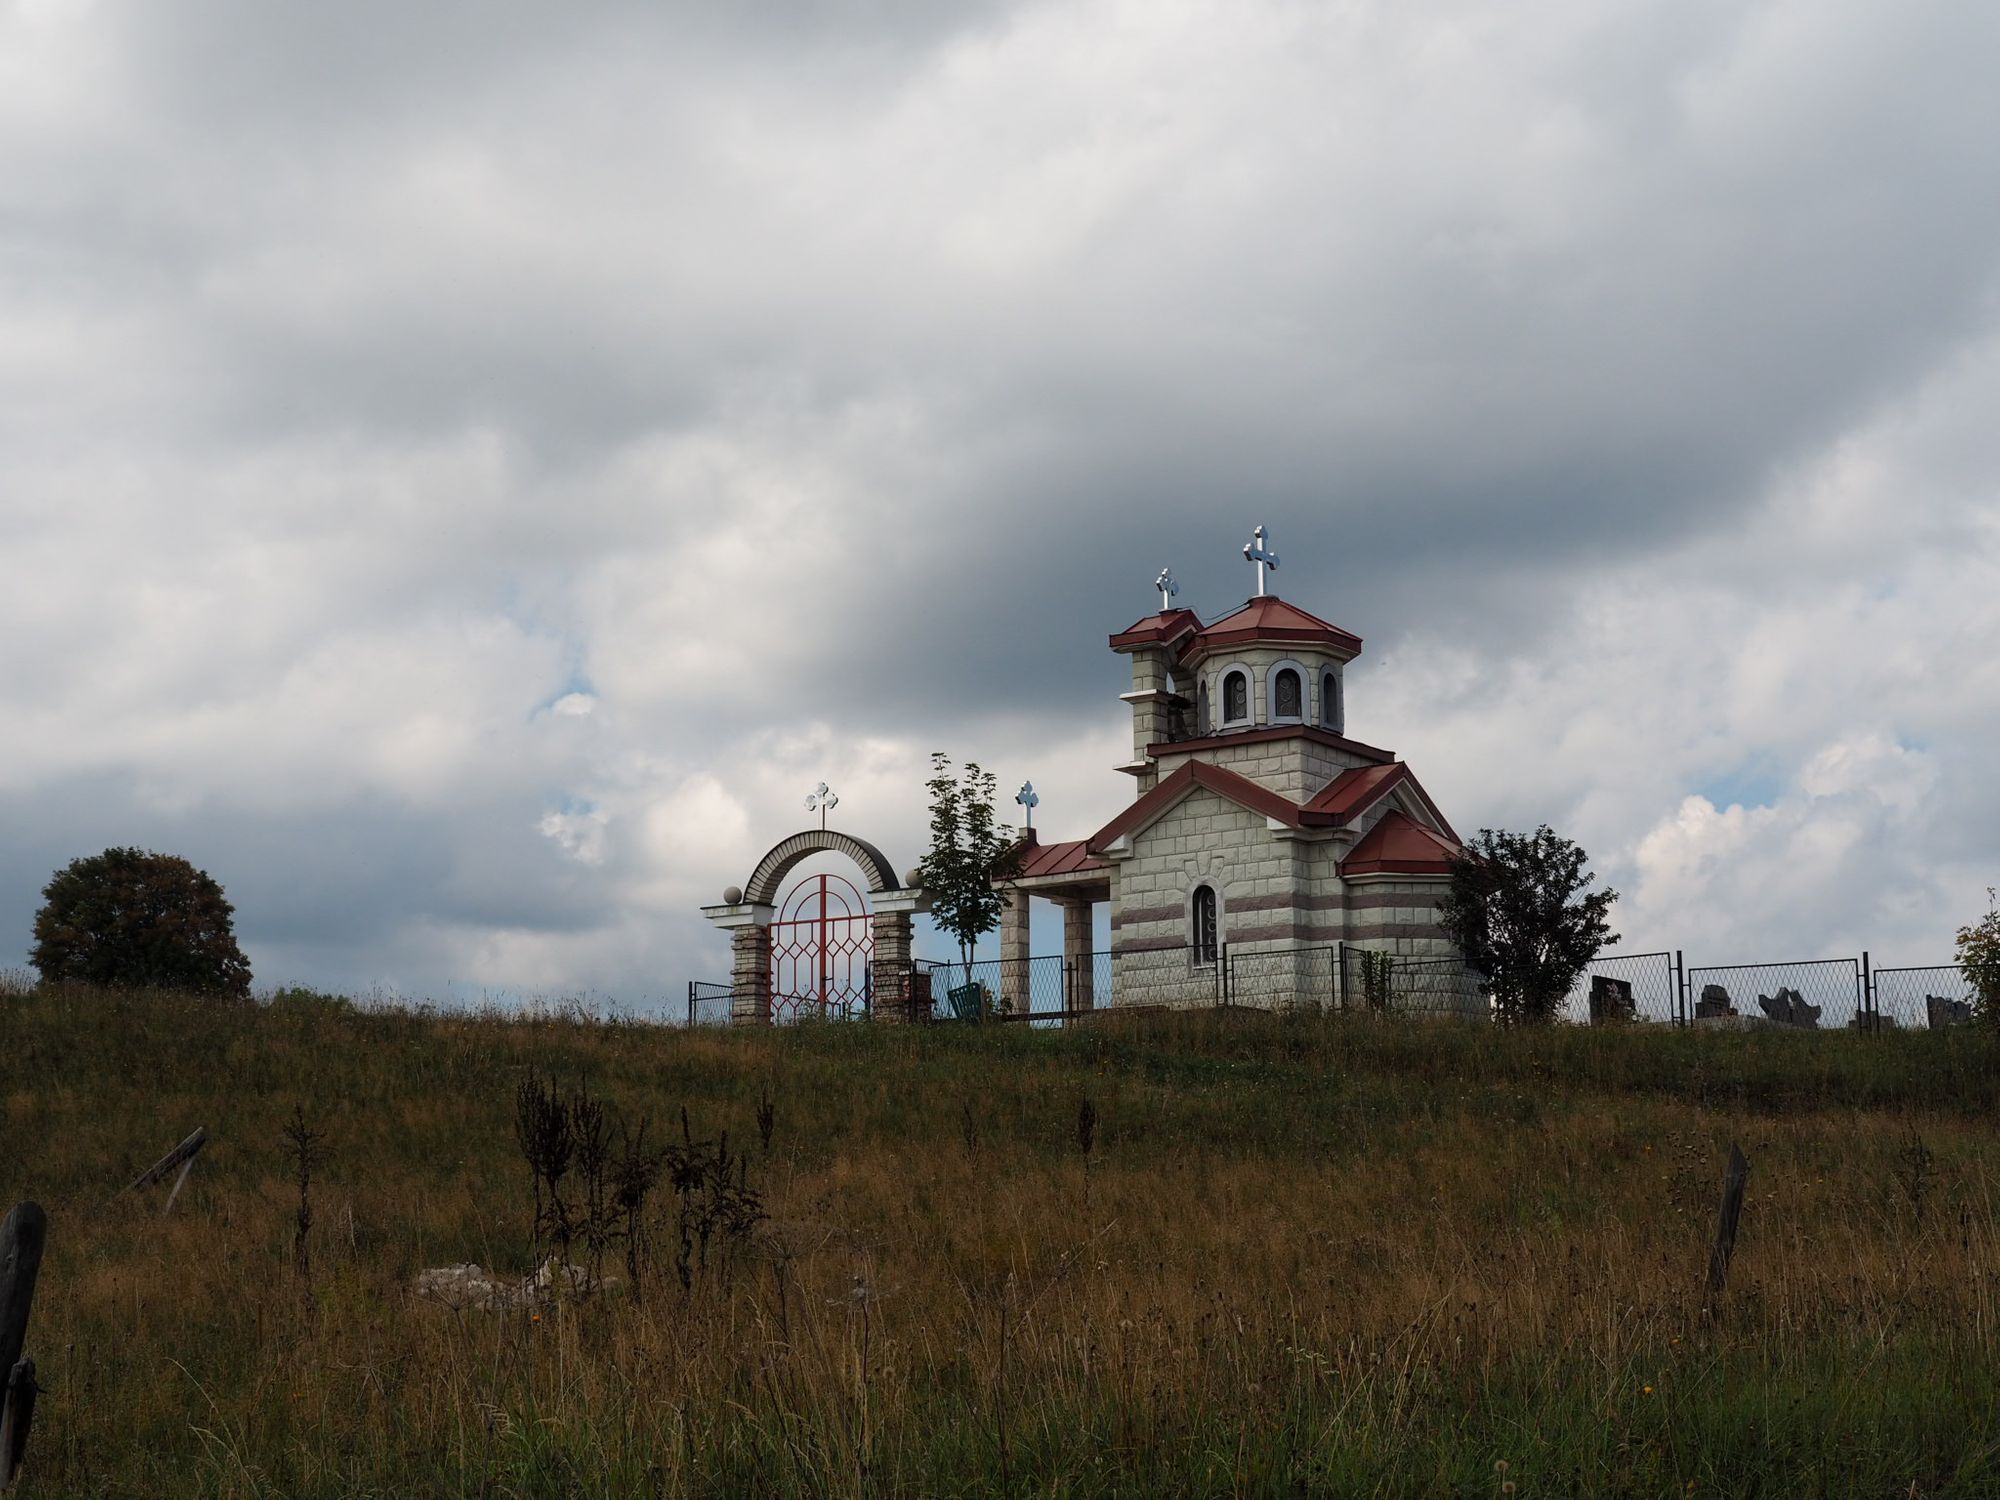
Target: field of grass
<point>1303,1256</point>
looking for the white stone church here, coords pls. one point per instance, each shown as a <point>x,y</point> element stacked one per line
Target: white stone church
<point>1261,837</point>
<point>1267,858</point>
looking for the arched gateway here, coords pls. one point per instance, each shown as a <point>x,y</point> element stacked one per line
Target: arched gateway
<point>819,950</point>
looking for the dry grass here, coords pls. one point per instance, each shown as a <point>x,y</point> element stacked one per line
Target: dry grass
<point>1307,1257</point>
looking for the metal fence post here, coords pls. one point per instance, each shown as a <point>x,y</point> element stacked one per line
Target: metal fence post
<point>1340,958</point>
<point>1867,999</point>
<point>1680,988</point>
<point>1222,977</point>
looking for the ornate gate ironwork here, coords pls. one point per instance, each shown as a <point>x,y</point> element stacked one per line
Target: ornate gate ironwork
<point>822,949</point>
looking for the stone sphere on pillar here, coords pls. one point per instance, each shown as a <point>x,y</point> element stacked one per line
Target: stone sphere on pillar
<point>732,895</point>
<point>912,879</point>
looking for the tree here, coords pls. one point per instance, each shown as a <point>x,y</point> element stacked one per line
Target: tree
<point>970,852</point>
<point>1522,912</point>
<point>129,918</point>
<point>1979,958</point>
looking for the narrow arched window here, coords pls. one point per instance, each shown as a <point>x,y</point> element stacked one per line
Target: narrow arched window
<point>1329,702</point>
<point>1286,691</point>
<point>1235,698</point>
<point>1201,709</point>
<point>1201,924</point>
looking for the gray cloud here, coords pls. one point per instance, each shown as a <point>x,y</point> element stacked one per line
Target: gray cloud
<point>805,392</point>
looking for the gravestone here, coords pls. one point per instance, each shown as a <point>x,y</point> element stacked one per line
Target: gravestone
<point>1714,1002</point>
<point>1611,1000</point>
<point>1788,1008</point>
<point>1941,1011</point>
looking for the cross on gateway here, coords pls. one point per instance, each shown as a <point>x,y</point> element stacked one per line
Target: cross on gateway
<point>1028,798</point>
<point>1261,555</point>
<point>823,800</point>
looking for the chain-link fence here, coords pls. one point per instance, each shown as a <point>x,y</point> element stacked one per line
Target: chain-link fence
<point>1628,986</point>
<point>1816,994</point>
<point>709,1004</point>
<point>1933,996</point>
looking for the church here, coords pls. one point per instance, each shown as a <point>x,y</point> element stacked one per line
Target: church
<point>1265,851</point>
<point>1267,858</point>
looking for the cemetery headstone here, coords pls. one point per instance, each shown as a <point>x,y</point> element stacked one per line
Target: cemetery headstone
<point>1942,1011</point>
<point>1714,1002</point>
<point>1611,1000</point>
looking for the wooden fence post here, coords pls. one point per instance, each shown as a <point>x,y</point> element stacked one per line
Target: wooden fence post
<point>1733,1182</point>
<point>17,1414</point>
<point>22,1236</point>
<point>181,1156</point>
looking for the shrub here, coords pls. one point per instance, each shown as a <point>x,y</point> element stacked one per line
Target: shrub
<point>1522,911</point>
<point>130,919</point>
<point>1979,958</point>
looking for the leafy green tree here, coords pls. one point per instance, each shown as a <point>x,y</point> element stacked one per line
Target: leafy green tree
<point>128,918</point>
<point>970,853</point>
<point>1979,958</point>
<point>1522,911</point>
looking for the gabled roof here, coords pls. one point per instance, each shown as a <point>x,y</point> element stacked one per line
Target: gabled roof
<point>1353,792</point>
<point>1071,858</point>
<point>1343,800</point>
<point>1196,773</point>
<point>1396,845</point>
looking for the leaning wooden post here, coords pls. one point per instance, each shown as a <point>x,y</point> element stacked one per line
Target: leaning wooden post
<point>1733,1183</point>
<point>22,1236</point>
<point>17,1415</point>
<point>181,1156</point>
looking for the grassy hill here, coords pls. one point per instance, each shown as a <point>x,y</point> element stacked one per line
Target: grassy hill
<point>1302,1256</point>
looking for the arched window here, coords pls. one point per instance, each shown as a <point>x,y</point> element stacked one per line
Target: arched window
<point>1329,702</point>
<point>1202,925</point>
<point>1236,698</point>
<point>1287,694</point>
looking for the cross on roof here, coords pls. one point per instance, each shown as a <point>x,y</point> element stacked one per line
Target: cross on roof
<point>1261,555</point>
<point>1168,588</point>
<point>1028,798</point>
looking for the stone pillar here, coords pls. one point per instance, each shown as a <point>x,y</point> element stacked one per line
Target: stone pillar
<point>1016,975</point>
<point>750,976</point>
<point>1077,954</point>
<point>894,1000</point>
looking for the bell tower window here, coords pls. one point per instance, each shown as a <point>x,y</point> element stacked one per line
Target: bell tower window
<point>1330,707</point>
<point>1287,695</point>
<point>1235,698</point>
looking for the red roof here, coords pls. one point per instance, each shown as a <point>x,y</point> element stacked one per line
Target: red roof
<point>1168,625</point>
<point>1345,798</point>
<point>1268,618</point>
<point>1072,858</point>
<point>1311,732</point>
<point>1398,846</point>
<point>1271,619</point>
<point>1238,789</point>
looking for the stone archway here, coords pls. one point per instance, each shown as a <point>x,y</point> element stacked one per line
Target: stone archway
<point>747,911</point>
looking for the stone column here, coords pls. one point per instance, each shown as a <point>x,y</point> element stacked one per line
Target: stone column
<point>895,998</point>
<point>1077,953</point>
<point>1016,976</point>
<point>750,977</point>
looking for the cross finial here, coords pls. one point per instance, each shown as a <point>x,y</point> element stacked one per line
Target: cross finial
<point>1261,555</point>
<point>1168,587</point>
<point>1028,798</point>
<point>825,800</point>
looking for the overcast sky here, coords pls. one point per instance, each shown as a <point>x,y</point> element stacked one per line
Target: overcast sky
<point>468,469</point>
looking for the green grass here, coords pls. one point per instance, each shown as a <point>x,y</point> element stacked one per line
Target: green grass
<point>1306,1256</point>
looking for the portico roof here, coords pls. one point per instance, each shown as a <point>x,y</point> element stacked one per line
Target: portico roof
<point>1398,845</point>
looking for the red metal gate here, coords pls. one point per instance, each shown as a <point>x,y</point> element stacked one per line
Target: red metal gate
<point>822,945</point>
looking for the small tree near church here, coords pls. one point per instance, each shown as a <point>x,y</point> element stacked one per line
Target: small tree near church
<point>1522,911</point>
<point>970,851</point>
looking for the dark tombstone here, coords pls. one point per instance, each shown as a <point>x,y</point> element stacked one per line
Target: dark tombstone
<point>1788,1008</point>
<point>1942,1012</point>
<point>1611,1000</point>
<point>1714,1002</point>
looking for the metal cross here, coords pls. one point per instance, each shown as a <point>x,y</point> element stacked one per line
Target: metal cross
<point>825,800</point>
<point>1168,589</point>
<point>1262,556</point>
<point>1028,798</point>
